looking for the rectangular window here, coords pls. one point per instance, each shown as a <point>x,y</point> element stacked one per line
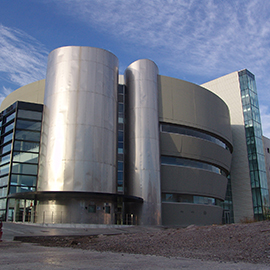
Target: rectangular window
<point>25,157</point>
<point>9,127</point>
<point>30,115</point>
<point>4,169</point>
<point>6,148</point>
<point>31,125</point>
<point>24,168</point>
<point>8,138</point>
<point>3,203</point>
<point>5,159</point>
<point>27,135</point>
<point>3,192</point>
<point>10,117</point>
<point>20,179</point>
<point>3,181</point>
<point>26,146</point>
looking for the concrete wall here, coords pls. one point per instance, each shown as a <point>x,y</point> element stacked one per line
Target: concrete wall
<point>33,92</point>
<point>186,104</point>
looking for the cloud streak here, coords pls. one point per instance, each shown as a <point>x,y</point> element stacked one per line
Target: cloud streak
<point>22,58</point>
<point>201,40</point>
<point>204,36</point>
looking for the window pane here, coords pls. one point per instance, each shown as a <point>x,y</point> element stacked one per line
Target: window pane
<point>18,179</point>
<point>30,114</point>
<point>26,146</point>
<point>18,189</point>
<point>3,204</point>
<point>3,192</point>
<point>10,117</point>
<point>25,157</point>
<point>4,159</point>
<point>6,148</point>
<point>24,168</point>
<point>8,138</point>
<point>4,169</point>
<point>27,135</point>
<point>9,127</point>
<point>24,124</point>
<point>4,181</point>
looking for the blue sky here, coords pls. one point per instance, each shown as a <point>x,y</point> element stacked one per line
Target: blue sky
<point>193,40</point>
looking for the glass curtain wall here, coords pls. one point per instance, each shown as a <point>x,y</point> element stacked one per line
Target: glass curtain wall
<point>20,137</point>
<point>7,120</point>
<point>254,144</point>
<point>121,151</point>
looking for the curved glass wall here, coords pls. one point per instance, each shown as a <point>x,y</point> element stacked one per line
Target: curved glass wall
<point>20,136</point>
<point>256,158</point>
<point>183,130</point>
<point>184,162</point>
<point>6,129</point>
<point>184,198</point>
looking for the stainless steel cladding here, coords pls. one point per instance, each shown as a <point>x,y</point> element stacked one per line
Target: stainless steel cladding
<point>143,173</point>
<point>79,128</point>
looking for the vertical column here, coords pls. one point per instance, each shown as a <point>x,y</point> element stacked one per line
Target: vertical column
<point>143,170</point>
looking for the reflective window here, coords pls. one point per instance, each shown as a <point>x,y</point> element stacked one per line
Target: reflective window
<point>25,157</point>
<point>30,115</point>
<point>10,117</point>
<point>9,127</point>
<point>171,128</point>
<point>27,180</point>
<point>8,138</point>
<point>3,192</point>
<point>19,189</point>
<point>120,166</point>
<point>26,146</point>
<point>24,168</point>
<point>3,181</point>
<point>5,159</point>
<point>4,169</point>
<point>24,124</point>
<point>184,198</point>
<point>27,135</point>
<point>183,162</point>
<point>3,203</point>
<point>6,148</point>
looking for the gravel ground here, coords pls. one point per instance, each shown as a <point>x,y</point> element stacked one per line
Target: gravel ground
<point>234,242</point>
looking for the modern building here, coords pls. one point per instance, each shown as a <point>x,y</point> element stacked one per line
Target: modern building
<point>87,145</point>
<point>248,174</point>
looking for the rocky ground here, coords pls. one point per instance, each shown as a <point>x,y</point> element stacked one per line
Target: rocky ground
<point>235,242</point>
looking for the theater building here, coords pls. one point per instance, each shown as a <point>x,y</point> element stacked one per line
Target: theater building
<point>87,145</point>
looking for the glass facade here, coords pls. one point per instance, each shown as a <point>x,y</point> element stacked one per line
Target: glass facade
<point>171,128</point>
<point>184,198</point>
<point>20,137</point>
<point>121,137</point>
<point>184,162</point>
<point>255,150</point>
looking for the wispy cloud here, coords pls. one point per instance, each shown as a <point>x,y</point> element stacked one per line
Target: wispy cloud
<point>5,91</point>
<point>197,39</point>
<point>22,58</point>
<point>191,35</point>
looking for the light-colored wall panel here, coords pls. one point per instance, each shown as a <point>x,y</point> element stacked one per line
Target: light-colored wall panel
<point>33,92</point>
<point>182,180</point>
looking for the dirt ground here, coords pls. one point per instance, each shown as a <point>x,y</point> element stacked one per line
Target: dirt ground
<point>234,242</point>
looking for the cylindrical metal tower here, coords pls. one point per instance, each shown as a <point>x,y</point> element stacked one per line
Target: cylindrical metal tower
<point>143,170</point>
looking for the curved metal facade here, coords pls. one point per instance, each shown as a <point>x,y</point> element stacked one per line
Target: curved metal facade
<point>79,128</point>
<point>143,172</point>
